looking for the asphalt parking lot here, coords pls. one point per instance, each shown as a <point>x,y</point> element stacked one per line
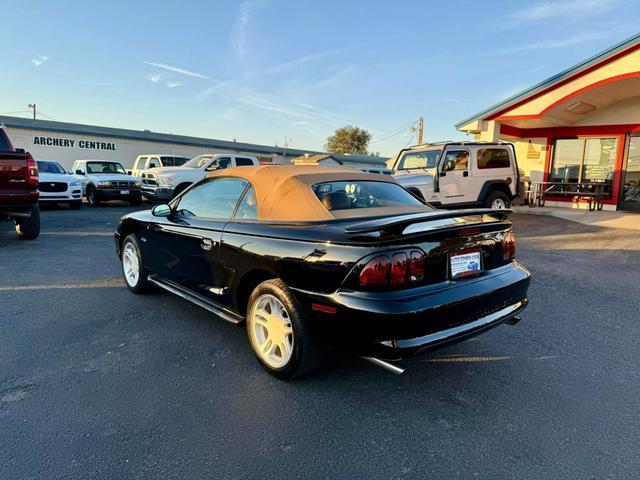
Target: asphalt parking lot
<point>96,382</point>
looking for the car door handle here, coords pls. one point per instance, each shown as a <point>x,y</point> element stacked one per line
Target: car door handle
<point>207,244</point>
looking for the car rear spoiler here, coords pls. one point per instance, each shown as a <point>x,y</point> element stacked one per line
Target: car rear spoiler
<point>402,221</point>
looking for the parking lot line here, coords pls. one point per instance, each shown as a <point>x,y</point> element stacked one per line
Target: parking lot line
<point>107,283</point>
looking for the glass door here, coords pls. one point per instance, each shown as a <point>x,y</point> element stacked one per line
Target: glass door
<point>630,192</point>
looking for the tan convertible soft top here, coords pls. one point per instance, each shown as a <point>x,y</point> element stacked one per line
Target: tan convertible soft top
<point>283,192</point>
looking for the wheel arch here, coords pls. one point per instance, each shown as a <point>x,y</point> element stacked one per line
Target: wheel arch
<point>493,185</point>
<point>247,283</point>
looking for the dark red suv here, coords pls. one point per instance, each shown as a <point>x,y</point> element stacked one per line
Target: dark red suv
<point>19,189</point>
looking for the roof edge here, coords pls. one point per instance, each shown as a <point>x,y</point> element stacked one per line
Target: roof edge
<point>549,82</point>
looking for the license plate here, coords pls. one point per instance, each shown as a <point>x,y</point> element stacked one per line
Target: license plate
<point>124,192</point>
<point>464,264</point>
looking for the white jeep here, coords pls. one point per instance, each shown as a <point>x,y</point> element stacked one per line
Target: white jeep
<point>460,174</point>
<point>164,183</point>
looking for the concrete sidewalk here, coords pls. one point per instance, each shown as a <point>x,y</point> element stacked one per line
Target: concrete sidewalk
<point>597,219</point>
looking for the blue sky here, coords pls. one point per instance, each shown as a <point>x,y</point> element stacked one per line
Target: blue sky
<point>276,71</point>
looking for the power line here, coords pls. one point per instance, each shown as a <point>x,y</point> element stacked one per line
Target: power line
<point>393,133</point>
<point>15,113</point>
<point>46,116</point>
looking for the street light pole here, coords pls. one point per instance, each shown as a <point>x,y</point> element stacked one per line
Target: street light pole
<point>32,106</point>
<point>420,130</point>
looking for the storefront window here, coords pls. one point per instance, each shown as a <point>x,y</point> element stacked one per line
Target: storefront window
<point>588,161</point>
<point>566,161</point>
<point>599,159</point>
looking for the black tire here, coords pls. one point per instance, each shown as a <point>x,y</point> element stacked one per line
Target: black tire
<point>307,355</point>
<point>29,228</point>
<point>92,197</point>
<point>75,205</point>
<point>135,201</point>
<point>142,284</point>
<point>496,196</point>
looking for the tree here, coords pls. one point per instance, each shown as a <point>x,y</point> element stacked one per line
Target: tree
<point>348,139</point>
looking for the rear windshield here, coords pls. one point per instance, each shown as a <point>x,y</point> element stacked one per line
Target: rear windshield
<point>363,194</point>
<point>4,145</point>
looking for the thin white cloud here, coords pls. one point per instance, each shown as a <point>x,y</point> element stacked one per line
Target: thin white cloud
<point>232,93</point>
<point>156,77</point>
<point>239,28</point>
<point>551,44</point>
<point>179,70</point>
<point>173,84</point>
<point>284,66</point>
<point>570,10</point>
<point>39,60</point>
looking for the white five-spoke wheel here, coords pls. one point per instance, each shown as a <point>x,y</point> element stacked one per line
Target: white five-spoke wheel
<point>130,264</point>
<point>279,332</point>
<point>271,331</point>
<point>133,271</point>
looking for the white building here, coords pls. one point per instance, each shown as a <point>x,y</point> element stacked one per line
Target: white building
<point>67,142</point>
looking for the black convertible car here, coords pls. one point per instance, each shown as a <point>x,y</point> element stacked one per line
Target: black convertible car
<point>317,258</point>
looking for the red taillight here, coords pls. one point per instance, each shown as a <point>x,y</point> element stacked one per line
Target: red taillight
<point>395,269</point>
<point>399,269</point>
<point>509,246</point>
<point>416,266</point>
<point>32,172</point>
<point>375,271</point>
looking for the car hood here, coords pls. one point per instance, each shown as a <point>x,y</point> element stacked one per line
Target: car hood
<point>56,177</point>
<point>169,170</point>
<point>411,179</point>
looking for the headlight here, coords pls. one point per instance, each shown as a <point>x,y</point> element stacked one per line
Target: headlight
<point>138,183</point>
<point>104,184</point>
<point>165,180</point>
<point>75,183</point>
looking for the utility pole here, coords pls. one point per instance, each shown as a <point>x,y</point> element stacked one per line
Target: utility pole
<point>32,106</point>
<point>420,129</point>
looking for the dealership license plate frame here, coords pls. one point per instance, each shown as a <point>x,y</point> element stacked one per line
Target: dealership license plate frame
<point>471,253</point>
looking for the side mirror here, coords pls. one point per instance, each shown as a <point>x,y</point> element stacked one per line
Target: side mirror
<point>79,172</point>
<point>161,210</point>
<point>214,166</point>
<point>129,172</point>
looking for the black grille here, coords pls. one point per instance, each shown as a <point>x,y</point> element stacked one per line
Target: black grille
<point>122,184</point>
<point>52,186</point>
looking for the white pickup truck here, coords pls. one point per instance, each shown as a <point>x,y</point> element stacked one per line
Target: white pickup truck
<point>164,183</point>
<point>460,174</point>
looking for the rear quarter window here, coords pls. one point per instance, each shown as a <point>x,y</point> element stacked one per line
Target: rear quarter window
<point>4,143</point>
<point>243,162</point>
<point>493,158</point>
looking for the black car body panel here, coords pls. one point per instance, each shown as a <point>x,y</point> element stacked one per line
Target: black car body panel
<point>320,262</point>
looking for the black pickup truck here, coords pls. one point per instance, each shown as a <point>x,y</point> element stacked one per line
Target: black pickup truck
<point>19,189</point>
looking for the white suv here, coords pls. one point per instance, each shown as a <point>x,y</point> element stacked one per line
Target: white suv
<point>57,185</point>
<point>168,182</point>
<point>460,174</point>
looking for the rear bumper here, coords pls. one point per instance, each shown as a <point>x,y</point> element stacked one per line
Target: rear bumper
<point>393,325</point>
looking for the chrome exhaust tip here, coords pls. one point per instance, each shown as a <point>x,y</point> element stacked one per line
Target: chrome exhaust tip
<point>396,368</point>
<point>513,320</point>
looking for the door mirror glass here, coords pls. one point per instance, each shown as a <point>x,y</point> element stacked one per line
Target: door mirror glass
<point>162,210</point>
